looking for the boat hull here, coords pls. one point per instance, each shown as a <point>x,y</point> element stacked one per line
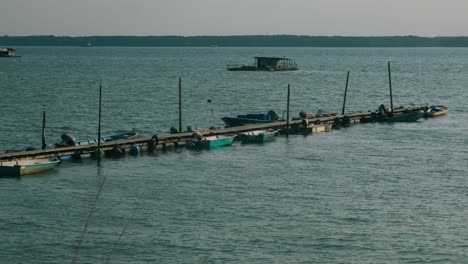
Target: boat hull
<point>234,121</point>
<point>257,136</point>
<point>213,142</point>
<point>27,167</point>
<point>319,128</point>
<point>436,111</point>
<point>409,117</point>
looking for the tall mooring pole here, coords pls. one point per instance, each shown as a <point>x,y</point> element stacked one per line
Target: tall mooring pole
<point>390,84</point>
<point>287,111</point>
<point>44,145</point>
<point>99,128</point>
<point>345,91</point>
<point>180,105</point>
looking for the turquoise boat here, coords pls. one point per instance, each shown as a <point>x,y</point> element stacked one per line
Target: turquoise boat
<point>257,136</point>
<point>211,142</point>
<point>17,168</point>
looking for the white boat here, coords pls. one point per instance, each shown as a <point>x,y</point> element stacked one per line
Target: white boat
<point>27,166</point>
<point>258,136</point>
<point>436,110</point>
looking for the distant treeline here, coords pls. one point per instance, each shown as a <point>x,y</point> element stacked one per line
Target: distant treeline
<point>235,41</point>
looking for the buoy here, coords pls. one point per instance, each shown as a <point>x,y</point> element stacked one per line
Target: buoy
<point>135,150</point>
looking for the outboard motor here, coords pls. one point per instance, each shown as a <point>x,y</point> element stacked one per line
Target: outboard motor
<point>174,130</point>
<point>117,151</point>
<point>67,141</point>
<point>272,115</point>
<point>383,112</point>
<point>196,138</point>
<point>302,114</point>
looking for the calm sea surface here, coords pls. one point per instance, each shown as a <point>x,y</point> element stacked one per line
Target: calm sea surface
<point>370,193</point>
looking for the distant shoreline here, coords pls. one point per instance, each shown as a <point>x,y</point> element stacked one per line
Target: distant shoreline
<point>235,41</point>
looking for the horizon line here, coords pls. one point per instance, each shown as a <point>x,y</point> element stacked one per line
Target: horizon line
<point>235,35</point>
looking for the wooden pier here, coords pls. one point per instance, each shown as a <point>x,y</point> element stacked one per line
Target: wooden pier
<point>163,141</point>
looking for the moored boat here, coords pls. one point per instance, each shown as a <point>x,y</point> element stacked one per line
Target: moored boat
<point>318,128</point>
<point>68,140</point>
<point>201,142</point>
<point>17,168</point>
<point>436,110</point>
<point>8,52</point>
<point>257,136</point>
<point>266,64</point>
<point>406,117</point>
<point>241,120</point>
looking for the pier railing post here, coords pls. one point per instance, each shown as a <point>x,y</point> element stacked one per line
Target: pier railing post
<point>287,111</point>
<point>345,92</point>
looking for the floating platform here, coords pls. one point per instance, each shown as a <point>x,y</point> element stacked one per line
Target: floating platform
<point>266,64</point>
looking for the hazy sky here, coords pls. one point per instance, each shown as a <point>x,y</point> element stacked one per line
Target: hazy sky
<point>234,17</point>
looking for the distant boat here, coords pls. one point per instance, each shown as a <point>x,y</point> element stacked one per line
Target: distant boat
<point>200,142</point>
<point>266,64</point>
<point>436,110</point>
<point>8,52</point>
<point>26,167</point>
<point>258,136</point>
<point>87,45</point>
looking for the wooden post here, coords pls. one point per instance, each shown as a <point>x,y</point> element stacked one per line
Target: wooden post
<point>99,128</point>
<point>180,105</point>
<point>287,112</point>
<point>44,145</point>
<point>390,84</point>
<point>345,91</point>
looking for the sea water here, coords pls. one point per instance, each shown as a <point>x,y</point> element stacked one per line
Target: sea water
<point>369,193</point>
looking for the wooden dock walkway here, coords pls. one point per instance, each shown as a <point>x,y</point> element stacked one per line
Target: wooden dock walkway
<point>150,143</point>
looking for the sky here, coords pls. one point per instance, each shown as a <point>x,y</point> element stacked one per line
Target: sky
<point>234,17</point>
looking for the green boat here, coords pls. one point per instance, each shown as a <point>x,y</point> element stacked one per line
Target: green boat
<point>17,168</point>
<point>258,136</point>
<point>211,142</point>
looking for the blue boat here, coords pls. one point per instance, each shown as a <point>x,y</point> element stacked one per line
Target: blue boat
<point>407,117</point>
<point>241,120</point>
<point>258,136</point>
<point>210,142</point>
<point>68,140</point>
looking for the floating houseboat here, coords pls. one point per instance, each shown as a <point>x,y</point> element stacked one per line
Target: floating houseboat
<point>266,64</point>
<point>7,52</point>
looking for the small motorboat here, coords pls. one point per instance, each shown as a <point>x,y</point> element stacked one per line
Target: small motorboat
<point>242,120</point>
<point>436,110</point>
<point>258,136</point>
<point>22,167</point>
<point>406,117</point>
<point>208,142</point>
